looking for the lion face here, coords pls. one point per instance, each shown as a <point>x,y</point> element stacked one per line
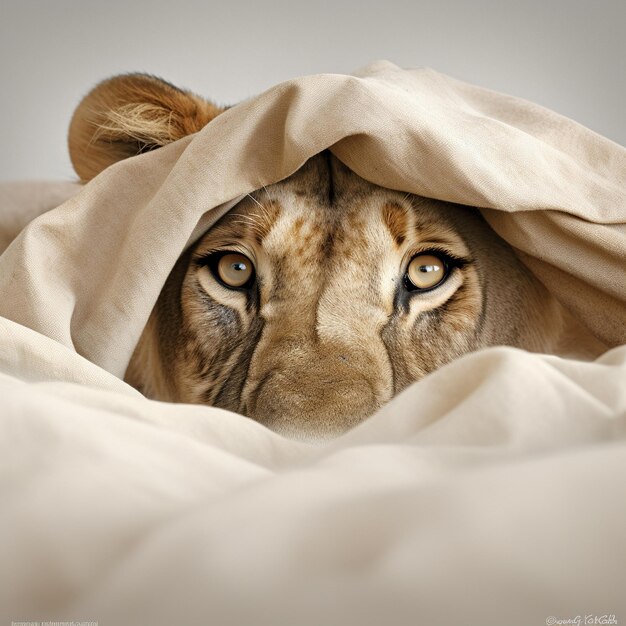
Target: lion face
<point>315,300</point>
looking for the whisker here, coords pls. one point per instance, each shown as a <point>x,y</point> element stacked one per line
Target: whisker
<point>267,193</point>
<point>255,201</point>
<point>254,226</point>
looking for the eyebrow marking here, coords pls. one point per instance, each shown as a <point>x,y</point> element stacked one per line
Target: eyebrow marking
<point>395,218</point>
<point>255,222</point>
<point>265,218</point>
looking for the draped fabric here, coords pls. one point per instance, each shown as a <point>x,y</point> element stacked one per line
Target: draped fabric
<point>489,492</point>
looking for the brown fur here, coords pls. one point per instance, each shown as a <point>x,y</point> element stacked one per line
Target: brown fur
<point>130,114</point>
<point>328,331</point>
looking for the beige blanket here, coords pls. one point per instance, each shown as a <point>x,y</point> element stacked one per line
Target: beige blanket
<point>491,492</point>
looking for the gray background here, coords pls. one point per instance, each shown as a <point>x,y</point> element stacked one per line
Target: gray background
<point>568,55</point>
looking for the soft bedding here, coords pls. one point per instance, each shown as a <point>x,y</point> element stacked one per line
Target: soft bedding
<point>491,492</point>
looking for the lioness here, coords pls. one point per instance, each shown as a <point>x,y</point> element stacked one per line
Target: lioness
<point>316,299</point>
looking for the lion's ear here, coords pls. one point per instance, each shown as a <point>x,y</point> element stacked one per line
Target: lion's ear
<point>130,114</point>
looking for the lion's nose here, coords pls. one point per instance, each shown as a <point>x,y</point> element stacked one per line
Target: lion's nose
<point>316,403</point>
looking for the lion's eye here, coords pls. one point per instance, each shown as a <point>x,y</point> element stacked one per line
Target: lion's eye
<point>426,271</point>
<point>234,269</point>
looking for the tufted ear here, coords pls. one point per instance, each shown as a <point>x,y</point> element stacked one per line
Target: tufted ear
<point>130,114</point>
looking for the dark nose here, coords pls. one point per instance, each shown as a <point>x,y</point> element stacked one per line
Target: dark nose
<point>316,402</point>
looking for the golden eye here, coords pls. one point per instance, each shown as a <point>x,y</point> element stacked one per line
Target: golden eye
<point>234,269</point>
<point>426,271</point>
